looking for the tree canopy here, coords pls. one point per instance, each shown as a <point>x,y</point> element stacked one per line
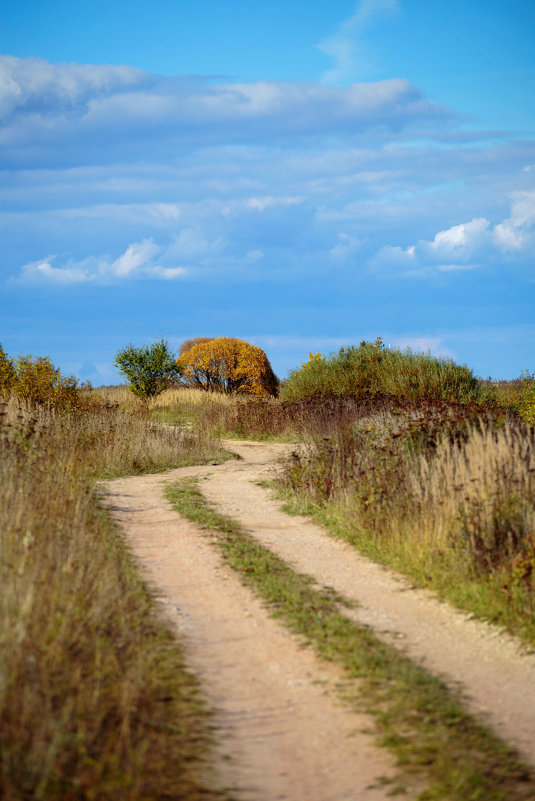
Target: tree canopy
<point>228,365</point>
<point>149,369</point>
<point>188,344</point>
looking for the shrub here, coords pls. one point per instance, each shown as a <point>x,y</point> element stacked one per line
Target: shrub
<point>228,365</point>
<point>372,368</point>
<point>149,369</point>
<point>36,380</point>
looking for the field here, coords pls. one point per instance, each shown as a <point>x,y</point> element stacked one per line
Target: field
<point>95,697</point>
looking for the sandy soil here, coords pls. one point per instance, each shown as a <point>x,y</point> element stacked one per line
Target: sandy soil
<point>284,733</point>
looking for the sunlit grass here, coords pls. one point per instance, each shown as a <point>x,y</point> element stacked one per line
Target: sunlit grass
<point>448,501</point>
<point>95,700</point>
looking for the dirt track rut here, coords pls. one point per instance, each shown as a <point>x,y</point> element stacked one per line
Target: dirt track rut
<point>284,734</point>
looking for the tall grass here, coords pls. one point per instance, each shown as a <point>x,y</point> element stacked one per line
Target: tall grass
<point>95,700</point>
<point>372,368</point>
<point>439,491</point>
<point>223,415</point>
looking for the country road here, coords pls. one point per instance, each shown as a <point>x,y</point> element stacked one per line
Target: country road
<point>284,732</point>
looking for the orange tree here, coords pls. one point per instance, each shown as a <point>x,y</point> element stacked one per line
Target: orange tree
<point>228,365</point>
<point>188,344</point>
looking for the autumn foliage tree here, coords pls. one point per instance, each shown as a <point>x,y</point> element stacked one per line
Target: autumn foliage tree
<point>228,365</point>
<point>36,380</point>
<point>188,344</point>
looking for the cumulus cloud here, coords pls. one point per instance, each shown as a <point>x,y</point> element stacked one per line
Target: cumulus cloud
<point>517,232</point>
<point>345,45</point>
<point>465,246</point>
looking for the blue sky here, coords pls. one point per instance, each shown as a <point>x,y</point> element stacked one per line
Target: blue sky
<point>300,175</point>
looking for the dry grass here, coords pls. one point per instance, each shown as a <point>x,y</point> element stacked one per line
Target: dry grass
<point>223,415</point>
<point>442,495</point>
<point>481,491</point>
<point>95,701</point>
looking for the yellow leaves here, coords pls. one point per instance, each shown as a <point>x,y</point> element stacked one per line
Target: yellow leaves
<point>228,365</point>
<point>38,381</point>
<point>315,358</point>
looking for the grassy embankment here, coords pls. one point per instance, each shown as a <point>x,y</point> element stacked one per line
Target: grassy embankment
<point>95,699</point>
<point>411,459</point>
<point>425,469</point>
<point>440,748</point>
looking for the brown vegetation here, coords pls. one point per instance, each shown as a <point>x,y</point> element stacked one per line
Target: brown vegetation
<point>95,702</point>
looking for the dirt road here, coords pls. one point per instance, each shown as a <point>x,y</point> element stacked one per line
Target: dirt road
<point>284,734</point>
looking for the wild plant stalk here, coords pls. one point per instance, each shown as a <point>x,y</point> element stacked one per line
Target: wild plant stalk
<point>451,502</point>
<point>95,700</point>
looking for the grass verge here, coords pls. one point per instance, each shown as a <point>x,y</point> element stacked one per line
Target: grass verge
<point>437,569</point>
<point>436,742</point>
<point>95,698</point>
<point>448,501</point>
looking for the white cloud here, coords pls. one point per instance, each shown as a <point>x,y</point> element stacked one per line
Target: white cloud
<point>139,261</point>
<point>346,247</point>
<point>433,345</point>
<point>165,211</point>
<point>36,85</point>
<point>460,242</point>
<point>71,113</point>
<point>465,246</point>
<point>137,256</point>
<point>190,244</point>
<point>168,273</point>
<point>263,203</point>
<point>44,271</point>
<point>345,45</point>
<point>517,232</point>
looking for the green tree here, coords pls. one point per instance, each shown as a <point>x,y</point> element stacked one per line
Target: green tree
<point>149,369</point>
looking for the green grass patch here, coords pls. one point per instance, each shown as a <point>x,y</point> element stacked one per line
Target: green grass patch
<point>436,742</point>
